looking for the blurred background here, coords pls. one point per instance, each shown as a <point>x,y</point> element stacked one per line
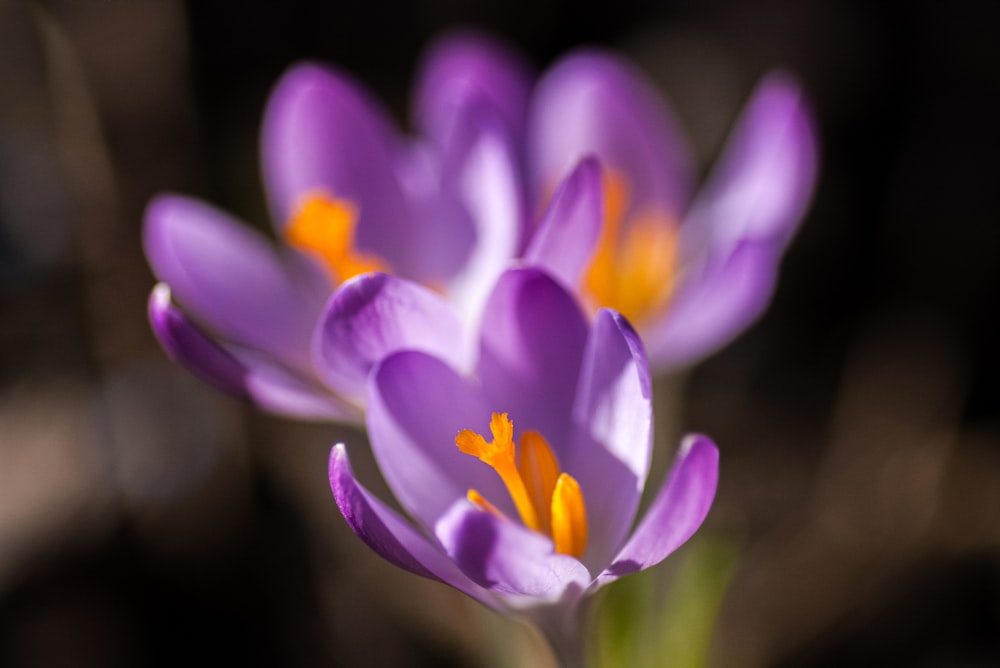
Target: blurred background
<point>146,519</point>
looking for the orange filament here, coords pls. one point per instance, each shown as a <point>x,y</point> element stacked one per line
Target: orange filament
<point>635,263</point>
<point>548,501</point>
<point>324,226</point>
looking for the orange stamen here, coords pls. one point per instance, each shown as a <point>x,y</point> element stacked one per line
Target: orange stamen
<point>324,226</point>
<point>499,455</point>
<point>539,469</point>
<point>548,502</point>
<point>635,263</point>
<point>569,517</point>
<point>477,500</point>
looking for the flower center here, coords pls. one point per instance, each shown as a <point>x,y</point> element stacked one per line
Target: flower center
<point>323,226</point>
<point>635,265</point>
<point>547,500</point>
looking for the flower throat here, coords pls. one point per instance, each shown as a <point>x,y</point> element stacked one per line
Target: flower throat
<point>323,226</point>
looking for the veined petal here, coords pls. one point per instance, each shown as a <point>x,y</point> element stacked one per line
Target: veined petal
<point>714,303</point>
<point>416,406</point>
<point>509,559</point>
<point>241,372</point>
<point>765,177</point>
<point>675,514</point>
<point>466,70</point>
<point>376,314</point>
<point>322,133</point>
<point>612,444</point>
<point>389,535</point>
<point>532,339</point>
<point>567,235</point>
<point>231,280</point>
<point>594,103</point>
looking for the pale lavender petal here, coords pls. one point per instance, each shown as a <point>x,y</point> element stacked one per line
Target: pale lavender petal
<point>593,103</point>
<point>322,132</point>
<point>612,445</point>
<point>389,535</point>
<point>239,371</point>
<point>532,340</point>
<point>675,514</point>
<point>416,407</point>
<point>765,178</point>
<point>376,314</point>
<point>507,558</point>
<point>713,304</point>
<point>231,280</point>
<point>486,180</point>
<point>466,70</point>
<point>278,389</point>
<point>567,235</point>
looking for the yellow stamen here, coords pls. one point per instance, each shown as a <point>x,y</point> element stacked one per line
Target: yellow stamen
<point>324,226</point>
<point>569,517</point>
<point>539,469</point>
<point>635,263</point>
<point>499,454</point>
<point>548,502</point>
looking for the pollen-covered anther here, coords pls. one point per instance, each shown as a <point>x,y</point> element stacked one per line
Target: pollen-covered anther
<point>323,226</point>
<point>548,501</point>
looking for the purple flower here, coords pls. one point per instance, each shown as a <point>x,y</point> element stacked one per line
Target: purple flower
<point>348,195</point>
<point>689,270</point>
<point>522,477</point>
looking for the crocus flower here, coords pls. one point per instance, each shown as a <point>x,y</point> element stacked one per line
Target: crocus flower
<point>689,269</point>
<point>522,477</point>
<point>348,195</point>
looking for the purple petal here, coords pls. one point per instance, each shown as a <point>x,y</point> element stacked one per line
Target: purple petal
<point>241,372</point>
<point>675,514</point>
<point>187,345</point>
<point>322,132</point>
<point>568,232</point>
<point>509,559</point>
<point>376,314</point>
<point>613,416</point>
<point>532,341</point>
<point>486,181</point>
<point>765,178</point>
<point>389,535</point>
<point>465,70</point>
<point>713,304</point>
<point>594,103</point>
<point>416,407</point>
<point>231,280</point>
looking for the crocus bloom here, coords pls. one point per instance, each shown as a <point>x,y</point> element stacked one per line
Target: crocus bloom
<point>522,478</point>
<point>689,270</point>
<point>348,195</point>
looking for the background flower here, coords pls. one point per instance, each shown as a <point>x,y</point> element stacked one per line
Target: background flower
<point>349,195</point>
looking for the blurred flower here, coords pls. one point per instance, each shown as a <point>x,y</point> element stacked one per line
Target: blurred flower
<point>532,529</point>
<point>448,210</point>
<point>689,271</point>
<point>348,195</point>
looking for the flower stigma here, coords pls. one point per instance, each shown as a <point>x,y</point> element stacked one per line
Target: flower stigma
<point>323,226</point>
<point>548,501</point>
<point>635,264</point>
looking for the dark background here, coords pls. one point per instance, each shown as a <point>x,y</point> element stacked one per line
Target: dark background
<point>147,520</point>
